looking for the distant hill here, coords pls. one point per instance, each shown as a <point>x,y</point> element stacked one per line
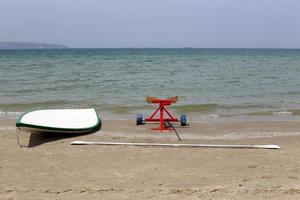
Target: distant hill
<point>29,45</point>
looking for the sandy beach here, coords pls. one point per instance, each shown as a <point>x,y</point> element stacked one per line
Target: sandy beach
<point>51,168</point>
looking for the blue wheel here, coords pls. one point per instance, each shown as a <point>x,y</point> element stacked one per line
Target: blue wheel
<point>139,119</point>
<point>183,120</point>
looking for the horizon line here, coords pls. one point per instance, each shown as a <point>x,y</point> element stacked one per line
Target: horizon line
<point>245,48</point>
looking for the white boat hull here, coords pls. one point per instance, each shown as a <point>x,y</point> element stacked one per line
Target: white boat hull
<point>60,121</point>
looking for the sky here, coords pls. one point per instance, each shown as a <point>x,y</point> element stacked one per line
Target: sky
<point>153,23</point>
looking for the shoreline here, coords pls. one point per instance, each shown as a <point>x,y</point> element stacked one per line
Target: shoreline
<point>269,115</point>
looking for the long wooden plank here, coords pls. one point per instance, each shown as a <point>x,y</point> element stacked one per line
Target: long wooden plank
<point>180,145</point>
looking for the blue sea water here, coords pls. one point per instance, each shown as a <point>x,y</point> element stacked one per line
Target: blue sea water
<point>210,83</point>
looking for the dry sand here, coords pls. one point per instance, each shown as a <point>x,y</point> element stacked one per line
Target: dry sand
<point>52,169</point>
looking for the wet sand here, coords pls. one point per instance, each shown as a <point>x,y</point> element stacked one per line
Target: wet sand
<point>51,168</point>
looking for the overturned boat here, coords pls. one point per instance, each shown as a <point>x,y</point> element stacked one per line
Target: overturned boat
<point>60,121</point>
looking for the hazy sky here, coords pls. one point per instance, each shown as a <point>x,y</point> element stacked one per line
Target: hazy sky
<point>153,23</point>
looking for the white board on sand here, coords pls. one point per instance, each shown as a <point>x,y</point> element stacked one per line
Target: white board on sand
<point>60,120</point>
<point>179,145</point>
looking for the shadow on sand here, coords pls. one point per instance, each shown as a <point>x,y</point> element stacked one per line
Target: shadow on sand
<point>37,139</point>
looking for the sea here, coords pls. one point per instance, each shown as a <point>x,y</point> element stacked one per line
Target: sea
<point>212,84</point>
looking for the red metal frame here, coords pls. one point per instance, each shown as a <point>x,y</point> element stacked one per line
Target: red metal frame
<point>161,109</point>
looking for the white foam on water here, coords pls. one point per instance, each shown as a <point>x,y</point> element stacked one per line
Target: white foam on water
<point>10,115</point>
<point>283,113</point>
